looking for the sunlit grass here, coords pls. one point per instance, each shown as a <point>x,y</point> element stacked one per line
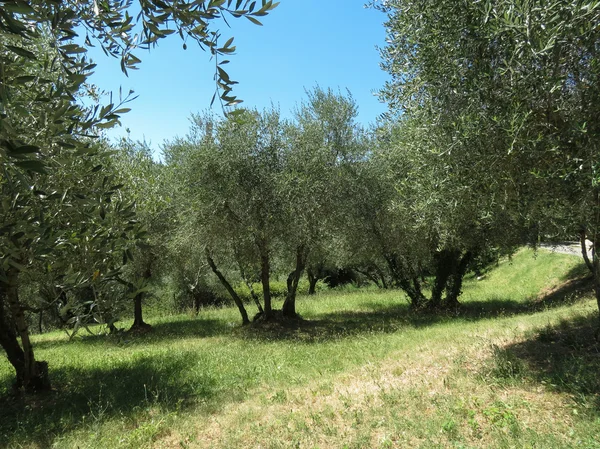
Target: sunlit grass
<point>364,371</point>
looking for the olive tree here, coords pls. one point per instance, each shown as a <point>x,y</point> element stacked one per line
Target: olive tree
<point>229,172</point>
<point>146,184</point>
<point>520,77</point>
<point>323,142</point>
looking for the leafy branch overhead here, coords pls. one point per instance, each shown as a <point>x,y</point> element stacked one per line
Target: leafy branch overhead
<point>121,28</point>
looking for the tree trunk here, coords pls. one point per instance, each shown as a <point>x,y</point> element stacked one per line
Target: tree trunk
<point>290,280</point>
<point>586,259</point>
<point>370,276</point>
<point>289,305</point>
<point>265,274</point>
<point>312,282</point>
<point>35,374</point>
<point>254,297</point>
<point>445,261</point>
<point>412,288</point>
<point>594,267</point>
<point>138,320</point>
<point>197,297</point>
<point>420,297</point>
<point>454,288</point>
<point>381,276</point>
<point>395,274</point>
<point>10,344</point>
<point>250,288</point>
<point>236,299</point>
<point>596,272</point>
<point>414,293</point>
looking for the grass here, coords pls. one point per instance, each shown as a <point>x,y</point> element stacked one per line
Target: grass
<point>516,368</point>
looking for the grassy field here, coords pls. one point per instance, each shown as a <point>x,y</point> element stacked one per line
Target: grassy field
<point>518,367</point>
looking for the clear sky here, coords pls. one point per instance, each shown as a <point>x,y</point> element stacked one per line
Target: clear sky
<point>303,43</point>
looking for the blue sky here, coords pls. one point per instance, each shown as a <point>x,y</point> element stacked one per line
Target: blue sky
<point>302,43</point>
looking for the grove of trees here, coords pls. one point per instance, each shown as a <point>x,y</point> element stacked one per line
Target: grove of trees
<point>490,143</point>
<point>64,213</point>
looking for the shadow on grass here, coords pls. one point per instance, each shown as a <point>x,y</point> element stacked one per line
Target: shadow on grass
<point>376,318</point>
<point>122,389</point>
<point>84,397</point>
<point>571,290</point>
<point>382,318</point>
<point>566,358</point>
<point>196,327</point>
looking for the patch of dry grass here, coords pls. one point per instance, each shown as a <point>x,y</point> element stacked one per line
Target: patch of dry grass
<point>438,394</point>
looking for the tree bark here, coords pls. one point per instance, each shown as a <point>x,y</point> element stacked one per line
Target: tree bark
<point>10,344</point>
<point>315,272</point>
<point>596,273</point>
<point>197,297</point>
<point>381,276</point>
<point>417,299</point>
<point>372,277</point>
<point>250,288</point>
<point>411,287</point>
<point>35,374</point>
<point>265,274</point>
<point>582,239</point>
<point>289,305</point>
<point>596,258</point>
<point>312,282</point>
<point>138,319</point>
<point>445,262</point>
<point>236,299</point>
<point>454,288</point>
<point>254,297</point>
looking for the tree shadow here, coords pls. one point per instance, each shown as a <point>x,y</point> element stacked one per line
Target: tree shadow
<point>570,291</point>
<point>196,327</point>
<point>565,357</point>
<point>383,318</point>
<point>120,389</point>
<point>374,318</point>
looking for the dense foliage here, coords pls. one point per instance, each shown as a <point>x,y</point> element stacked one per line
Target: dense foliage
<point>65,215</point>
<point>511,89</point>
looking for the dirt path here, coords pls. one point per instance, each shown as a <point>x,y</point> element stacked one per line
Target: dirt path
<point>573,248</point>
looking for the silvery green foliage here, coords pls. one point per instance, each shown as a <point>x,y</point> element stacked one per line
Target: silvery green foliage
<point>507,92</point>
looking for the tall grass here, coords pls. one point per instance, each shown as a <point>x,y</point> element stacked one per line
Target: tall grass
<point>362,371</point>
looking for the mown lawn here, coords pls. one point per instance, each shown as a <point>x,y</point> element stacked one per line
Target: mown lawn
<point>517,367</point>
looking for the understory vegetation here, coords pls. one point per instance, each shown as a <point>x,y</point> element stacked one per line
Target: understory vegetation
<point>515,367</point>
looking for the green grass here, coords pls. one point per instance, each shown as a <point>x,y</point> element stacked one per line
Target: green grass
<point>516,368</point>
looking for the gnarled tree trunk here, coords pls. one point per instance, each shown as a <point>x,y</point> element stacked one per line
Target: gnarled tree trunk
<point>454,287</point>
<point>594,267</point>
<point>445,262</point>
<point>265,275</point>
<point>312,282</point>
<point>138,320</point>
<point>236,299</point>
<point>9,342</point>
<point>34,374</point>
<point>250,288</point>
<point>289,305</point>
<point>411,286</point>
